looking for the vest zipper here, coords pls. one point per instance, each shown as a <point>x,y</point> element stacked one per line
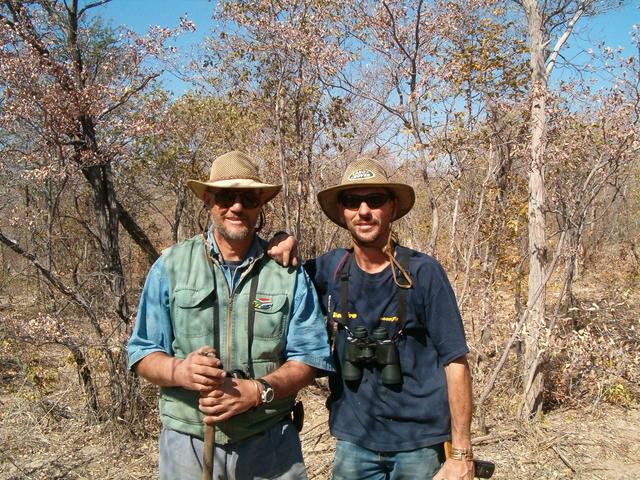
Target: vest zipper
<point>228,359</point>
<point>231,296</point>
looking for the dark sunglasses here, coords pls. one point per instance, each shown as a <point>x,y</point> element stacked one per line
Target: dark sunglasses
<point>374,200</point>
<point>226,198</point>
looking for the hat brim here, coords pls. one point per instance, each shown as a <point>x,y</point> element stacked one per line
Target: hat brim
<point>268,191</point>
<point>404,196</point>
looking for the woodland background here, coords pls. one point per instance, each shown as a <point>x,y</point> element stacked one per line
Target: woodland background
<point>527,192</point>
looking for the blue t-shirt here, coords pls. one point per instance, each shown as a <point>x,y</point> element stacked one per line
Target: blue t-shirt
<point>415,413</point>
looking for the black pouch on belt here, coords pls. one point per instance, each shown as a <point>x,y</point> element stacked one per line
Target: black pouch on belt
<point>297,414</point>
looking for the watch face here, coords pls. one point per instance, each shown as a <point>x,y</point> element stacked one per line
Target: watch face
<point>267,395</point>
<point>267,392</point>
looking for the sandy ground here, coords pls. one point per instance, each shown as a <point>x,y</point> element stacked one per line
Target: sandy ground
<point>38,441</point>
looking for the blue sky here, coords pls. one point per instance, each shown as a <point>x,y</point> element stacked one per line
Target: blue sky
<point>139,15</point>
<point>613,28</point>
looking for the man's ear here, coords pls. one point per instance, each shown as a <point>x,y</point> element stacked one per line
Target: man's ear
<point>207,198</point>
<point>341,215</point>
<point>395,207</point>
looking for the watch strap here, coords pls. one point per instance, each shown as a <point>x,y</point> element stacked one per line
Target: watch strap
<point>267,393</point>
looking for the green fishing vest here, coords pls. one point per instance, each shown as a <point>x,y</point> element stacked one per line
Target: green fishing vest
<point>202,308</point>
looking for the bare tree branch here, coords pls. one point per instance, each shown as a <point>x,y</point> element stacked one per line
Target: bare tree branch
<point>562,39</point>
<point>90,6</point>
<point>53,280</point>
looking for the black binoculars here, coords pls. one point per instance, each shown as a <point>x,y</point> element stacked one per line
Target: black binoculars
<point>376,350</point>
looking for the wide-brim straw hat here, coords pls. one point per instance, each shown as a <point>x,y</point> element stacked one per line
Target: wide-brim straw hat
<point>234,170</point>
<point>361,173</point>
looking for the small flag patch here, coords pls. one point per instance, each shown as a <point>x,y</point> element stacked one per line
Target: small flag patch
<point>263,303</point>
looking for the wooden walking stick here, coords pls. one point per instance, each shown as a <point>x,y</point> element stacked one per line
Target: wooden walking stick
<point>208,451</point>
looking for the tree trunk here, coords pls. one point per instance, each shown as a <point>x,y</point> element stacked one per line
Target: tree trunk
<point>299,196</point>
<point>435,218</point>
<point>454,227</point>
<point>86,378</point>
<point>107,221</point>
<point>570,275</point>
<point>496,222</point>
<point>98,175</point>
<point>181,202</point>
<point>137,234</point>
<point>282,157</point>
<point>532,374</point>
<point>417,135</point>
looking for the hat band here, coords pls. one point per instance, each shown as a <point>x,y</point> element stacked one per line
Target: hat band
<point>235,177</point>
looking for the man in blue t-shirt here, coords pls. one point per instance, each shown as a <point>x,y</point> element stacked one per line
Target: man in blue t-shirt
<point>403,385</point>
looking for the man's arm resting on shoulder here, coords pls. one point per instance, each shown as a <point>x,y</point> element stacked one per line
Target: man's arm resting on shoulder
<point>283,248</point>
<point>461,407</point>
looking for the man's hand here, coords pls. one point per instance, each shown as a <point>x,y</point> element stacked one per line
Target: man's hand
<point>283,249</point>
<point>200,371</point>
<point>231,398</point>
<point>455,470</point>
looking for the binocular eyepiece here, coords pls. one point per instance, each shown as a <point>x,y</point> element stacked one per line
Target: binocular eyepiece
<point>378,350</point>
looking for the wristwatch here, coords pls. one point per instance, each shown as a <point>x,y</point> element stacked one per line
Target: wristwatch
<point>267,393</point>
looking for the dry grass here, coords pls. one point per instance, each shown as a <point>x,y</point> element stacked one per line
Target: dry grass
<point>591,432</point>
<point>38,443</point>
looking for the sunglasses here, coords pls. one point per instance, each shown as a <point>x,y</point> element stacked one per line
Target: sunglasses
<point>225,198</point>
<point>373,200</point>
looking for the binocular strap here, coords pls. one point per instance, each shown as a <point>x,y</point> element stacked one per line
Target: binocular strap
<point>403,260</point>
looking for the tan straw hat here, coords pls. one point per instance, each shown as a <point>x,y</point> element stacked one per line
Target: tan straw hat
<point>362,173</point>
<point>234,170</point>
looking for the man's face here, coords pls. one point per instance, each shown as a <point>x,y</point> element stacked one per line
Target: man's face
<point>367,213</point>
<point>234,212</point>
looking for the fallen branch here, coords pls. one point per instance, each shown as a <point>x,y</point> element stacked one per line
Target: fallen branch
<point>563,458</point>
<point>313,427</point>
<point>493,437</point>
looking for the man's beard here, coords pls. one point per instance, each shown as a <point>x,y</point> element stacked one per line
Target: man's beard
<point>368,240</point>
<point>238,233</point>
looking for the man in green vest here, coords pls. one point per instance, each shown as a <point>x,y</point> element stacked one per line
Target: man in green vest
<point>230,337</point>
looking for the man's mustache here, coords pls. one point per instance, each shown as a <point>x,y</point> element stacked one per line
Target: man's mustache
<point>371,222</point>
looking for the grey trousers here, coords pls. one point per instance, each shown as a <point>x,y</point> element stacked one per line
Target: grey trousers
<point>273,454</point>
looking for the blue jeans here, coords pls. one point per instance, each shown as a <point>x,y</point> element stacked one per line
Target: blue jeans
<point>356,463</point>
<point>273,454</point>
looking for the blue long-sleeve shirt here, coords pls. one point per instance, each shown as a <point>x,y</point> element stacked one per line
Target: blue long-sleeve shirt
<point>306,340</point>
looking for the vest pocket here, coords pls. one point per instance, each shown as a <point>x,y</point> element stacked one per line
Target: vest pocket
<point>271,311</point>
<point>193,311</point>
